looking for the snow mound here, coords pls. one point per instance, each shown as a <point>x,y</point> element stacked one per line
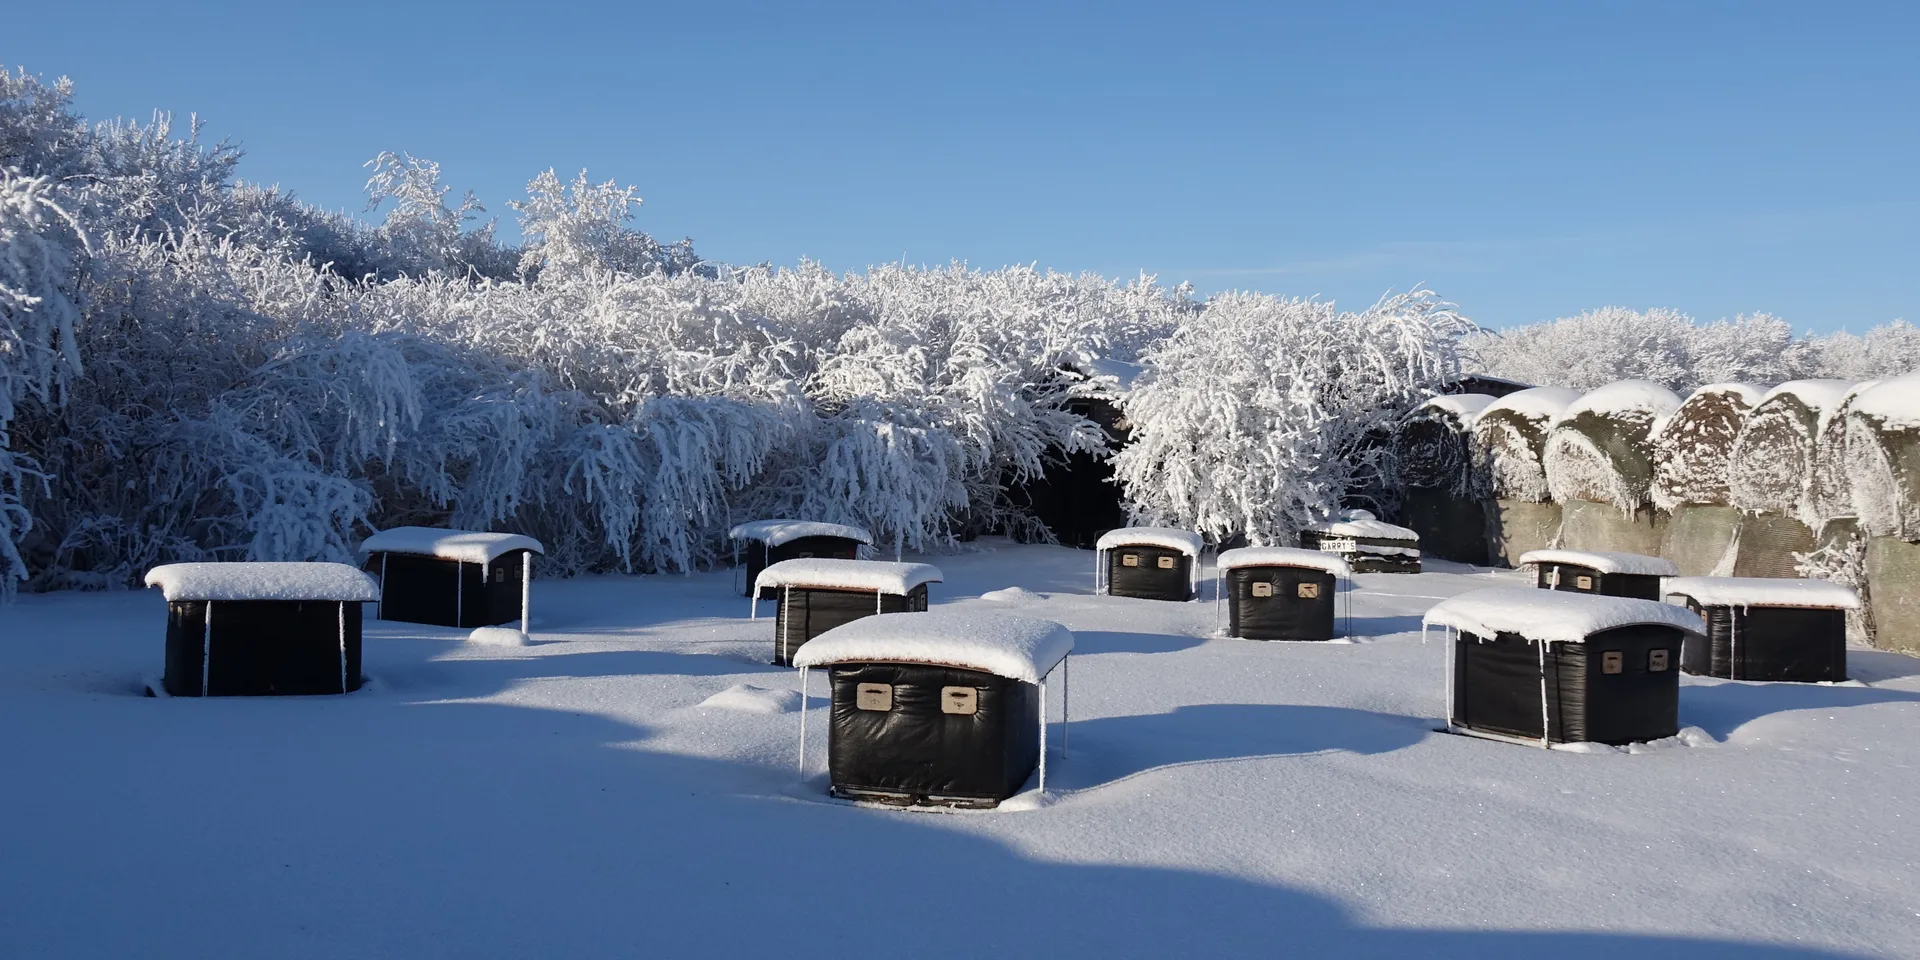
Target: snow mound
<point>1552,615</point>
<point>776,532</point>
<point>1011,595</point>
<point>466,546</point>
<point>1284,557</point>
<point>747,698</point>
<point>1632,563</point>
<point>498,637</point>
<point>1185,541</point>
<point>263,581</point>
<point>1019,648</point>
<point>880,575</point>
<point>1763,592</point>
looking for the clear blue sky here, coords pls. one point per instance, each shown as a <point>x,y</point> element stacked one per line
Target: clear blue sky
<point>1526,160</point>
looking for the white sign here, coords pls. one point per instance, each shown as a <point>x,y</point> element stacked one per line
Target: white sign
<point>1339,546</point>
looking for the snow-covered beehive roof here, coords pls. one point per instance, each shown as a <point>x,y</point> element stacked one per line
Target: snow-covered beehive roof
<point>878,575</point>
<point>776,532</point>
<point>1895,402</point>
<point>1553,616</point>
<point>1623,397</point>
<point>1283,557</point>
<point>466,546</point>
<point>1534,403</point>
<point>263,581</point>
<point>1631,563</point>
<point>1763,592</point>
<point>1364,526</point>
<point>1464,407</point>
<point>1018,648</point>
<point>1170,538</point>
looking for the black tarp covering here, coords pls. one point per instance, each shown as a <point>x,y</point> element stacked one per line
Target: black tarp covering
<point>1282,613</point>
<point>1497,686</point>
<point>918,752</point>
<point>760,556</point>
<point>262,648</point>
<point>1771,643</point>
<point>1154,573</point>
<point>803,613</point>
<point>447,593</point>
<point>1570,577</point>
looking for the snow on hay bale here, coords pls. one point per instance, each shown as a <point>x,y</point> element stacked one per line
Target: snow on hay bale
<point>1770,468</point>
<point>1545,667</point>
<point>1882,457</point>
<point>1442,497</point>
<point>251,629</point>
<point>452,578</point>
<point>1280,593</point>
<point>944,707</point>
<point>1766,628</point>
<point>815,595</point>
<point>1692,446</point>
<point>1510,441</point>
<point>1598,449</point>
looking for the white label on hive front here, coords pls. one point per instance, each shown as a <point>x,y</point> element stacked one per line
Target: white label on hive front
<point>1129,560</point>
<point>1613,661</point>
<point>1309,591</point>
<point>1584,583</point>
<point>1656,661</point>
<point>1263,589</point>
<point>1166,563</point>
<point>874,696</point>
<point>964,701</point>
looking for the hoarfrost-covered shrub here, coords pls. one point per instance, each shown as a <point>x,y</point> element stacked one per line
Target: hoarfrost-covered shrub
<point>1599,449</point>
<point>1691,448</point>
<point>1252,417</point>
<point>1771,466</point>
<point>1510,441</point>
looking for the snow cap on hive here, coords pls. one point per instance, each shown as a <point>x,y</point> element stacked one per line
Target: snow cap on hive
<point>1691,447</point>
<point>1283,557</point>
<point>1629,563</point>
<point>466,546</point>
<point>1763,592</point>
<point>1553,616</point>
<point>776,532</point>
<point>878,575</point>
<point>1599,448</point>
<point>1510,441</point>
<point>1018,648</point>
<point>1169,538</point>
<point>1771,467</point>
<point>263,581</point>
<point>1361,523</point>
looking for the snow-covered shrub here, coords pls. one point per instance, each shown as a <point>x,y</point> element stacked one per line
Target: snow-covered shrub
<point>1599,449</point>
<point>1691,447</point>
<point>1252,417</point>
<point>1510,441</point>
<point>1771,466</point>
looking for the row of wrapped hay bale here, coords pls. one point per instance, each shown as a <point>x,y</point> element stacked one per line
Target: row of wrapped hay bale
<point>1808,478</point>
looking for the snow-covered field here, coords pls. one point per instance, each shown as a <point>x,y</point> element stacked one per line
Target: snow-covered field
<point>1220,797</point>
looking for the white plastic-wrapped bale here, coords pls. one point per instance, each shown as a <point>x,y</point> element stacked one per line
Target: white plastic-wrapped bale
<point>1510,442</point>
<point>1599,463</point>
<point>1443,496</point>
<point>815,595</point>
<point>1546,667</point>
<point>1767,628</point>
<point>1366,543</point>
<point>944,707</point>
<point>1149,563</point>
<point>452,578</point>
<point>1280,593</point>
<point>768,542</point>
<point>1607,574</point>
<point>255,629</point>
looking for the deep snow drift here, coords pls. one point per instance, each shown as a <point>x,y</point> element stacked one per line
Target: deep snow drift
<point>624,786</point>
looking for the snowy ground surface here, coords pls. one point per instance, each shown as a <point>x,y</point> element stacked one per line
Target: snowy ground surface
<point>573,797</point>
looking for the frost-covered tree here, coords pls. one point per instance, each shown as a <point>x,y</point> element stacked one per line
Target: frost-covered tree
<point>579,228</point>
<point>1255,415</point>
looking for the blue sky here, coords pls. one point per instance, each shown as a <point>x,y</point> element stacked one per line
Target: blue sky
<point>1525,160</point>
